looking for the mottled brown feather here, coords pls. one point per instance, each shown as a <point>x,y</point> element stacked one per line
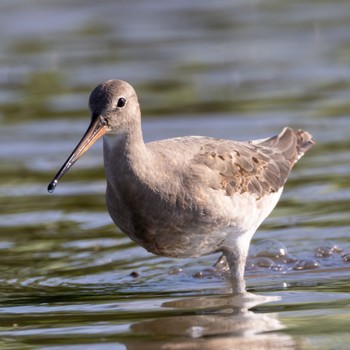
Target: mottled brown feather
<point>258,167</point>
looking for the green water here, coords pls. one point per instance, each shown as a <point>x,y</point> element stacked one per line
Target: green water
<point>69,279</point>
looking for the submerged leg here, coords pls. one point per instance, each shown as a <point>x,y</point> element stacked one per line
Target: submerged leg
<point>222,264</point>
<point>236,259</point>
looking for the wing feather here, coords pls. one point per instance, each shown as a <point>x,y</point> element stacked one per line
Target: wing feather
<point>257,167</point>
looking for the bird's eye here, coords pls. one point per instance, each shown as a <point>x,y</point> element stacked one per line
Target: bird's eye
<point>121,102</point>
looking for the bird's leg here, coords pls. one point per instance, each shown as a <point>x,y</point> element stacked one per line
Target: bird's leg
<point>222,264</point>
<point>236,259</point>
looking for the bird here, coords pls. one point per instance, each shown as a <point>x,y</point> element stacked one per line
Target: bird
<point>186,196</point>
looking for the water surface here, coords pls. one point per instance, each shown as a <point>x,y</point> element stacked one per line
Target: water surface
<point>233,69</point>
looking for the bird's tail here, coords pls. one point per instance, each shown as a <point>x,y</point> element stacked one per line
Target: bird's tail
<point>292,144</point>
<point>304,142</point>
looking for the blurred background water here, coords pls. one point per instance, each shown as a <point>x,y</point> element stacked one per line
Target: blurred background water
<point>234,69</point>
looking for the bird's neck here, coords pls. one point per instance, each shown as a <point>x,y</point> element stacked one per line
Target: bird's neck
<point>126,155</point>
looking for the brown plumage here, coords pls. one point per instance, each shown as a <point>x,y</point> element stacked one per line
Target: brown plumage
<point>255,167</point>
<point>186,196</point>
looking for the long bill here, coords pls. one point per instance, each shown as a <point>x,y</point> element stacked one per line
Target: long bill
<point>96,129</point>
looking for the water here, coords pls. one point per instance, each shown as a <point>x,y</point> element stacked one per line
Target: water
<point>234,69</point>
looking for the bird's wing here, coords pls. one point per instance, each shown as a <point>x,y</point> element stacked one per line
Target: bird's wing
<point>258,167</point>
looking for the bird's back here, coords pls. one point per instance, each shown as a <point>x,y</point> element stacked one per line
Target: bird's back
<point>255,167</point>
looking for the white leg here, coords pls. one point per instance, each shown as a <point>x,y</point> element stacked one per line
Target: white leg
<point>236,259</point>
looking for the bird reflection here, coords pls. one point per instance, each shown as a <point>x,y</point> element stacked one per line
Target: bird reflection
<point>223,322</point>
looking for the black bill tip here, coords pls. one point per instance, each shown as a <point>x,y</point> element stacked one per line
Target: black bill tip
<point>52,186</point>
